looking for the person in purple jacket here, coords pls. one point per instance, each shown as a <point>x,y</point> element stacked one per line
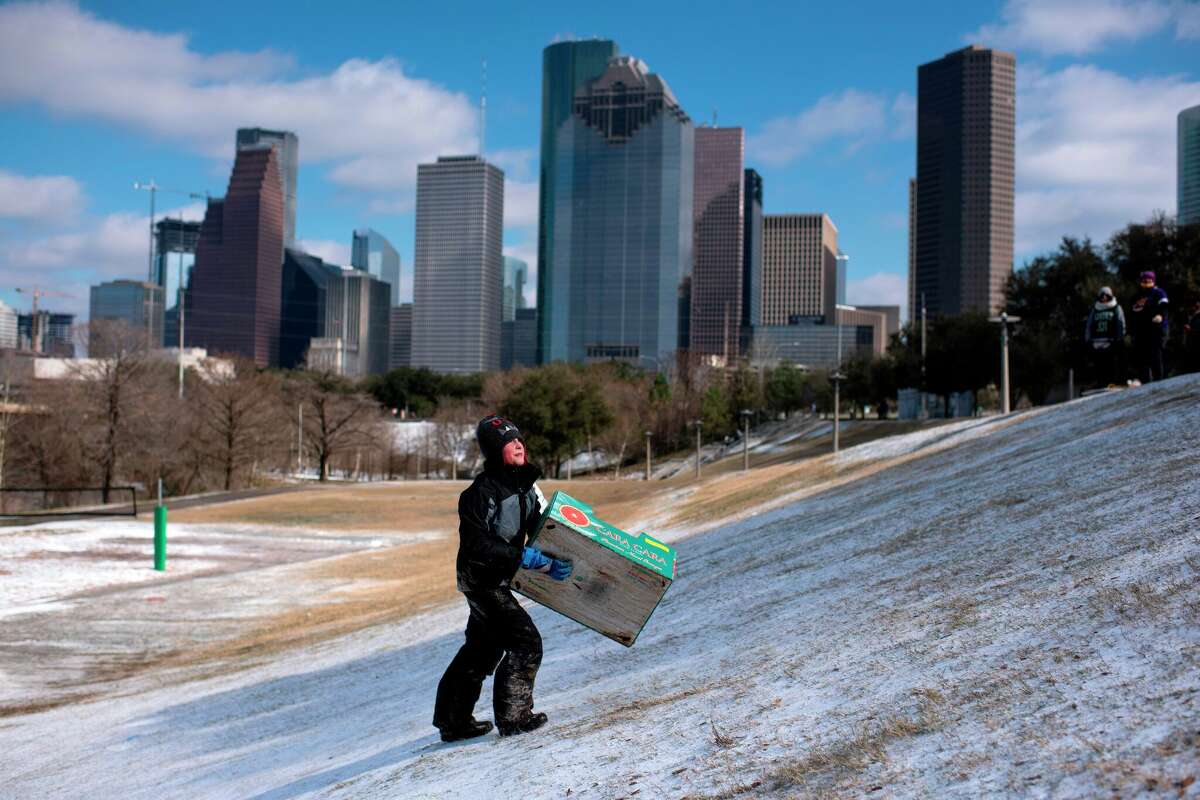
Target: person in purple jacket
<point>1148,324</point>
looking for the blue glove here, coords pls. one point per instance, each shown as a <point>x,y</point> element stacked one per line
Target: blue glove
<point>532,558</point>
<point>560,570</point>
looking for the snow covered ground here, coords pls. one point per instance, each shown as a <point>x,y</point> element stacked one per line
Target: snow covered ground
<point>996,607</point>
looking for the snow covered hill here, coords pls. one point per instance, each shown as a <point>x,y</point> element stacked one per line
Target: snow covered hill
<point>1007,606</point>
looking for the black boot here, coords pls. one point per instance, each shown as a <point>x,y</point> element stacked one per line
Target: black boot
<point>530,723</point>
<point>468,731</point>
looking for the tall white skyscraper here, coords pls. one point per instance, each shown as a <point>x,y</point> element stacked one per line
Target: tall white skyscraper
<point>458,269</point>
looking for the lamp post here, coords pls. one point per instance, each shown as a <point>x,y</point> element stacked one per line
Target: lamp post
<point>698,425</point>
<point>1003,320</point>
<point>837,377</point>
<point>648,435</point>
<point>745,412</point>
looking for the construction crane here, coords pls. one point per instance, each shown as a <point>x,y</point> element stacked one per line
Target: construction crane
<point>36,292</point>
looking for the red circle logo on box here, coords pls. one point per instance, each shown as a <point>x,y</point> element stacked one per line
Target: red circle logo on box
<point>575,516</point>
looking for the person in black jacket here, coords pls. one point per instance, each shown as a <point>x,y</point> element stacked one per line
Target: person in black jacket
<point>1104,335</point>
<point>496,515</point>
<point>1148,323</point>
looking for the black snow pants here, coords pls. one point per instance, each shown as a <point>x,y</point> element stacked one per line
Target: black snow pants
<point>1150,356</point>
<point>500,632</point>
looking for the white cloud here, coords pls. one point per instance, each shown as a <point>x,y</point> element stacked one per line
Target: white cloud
<point>1187,20</point>
<point>851,115</point>
<point>526,250</point>
<point>520,203</point>
<point>904,113</point>
<point>1095,151</point>
<point>327,250</point>
<point>42,198</point>
<point>106,248</point>
<point>374,122</point>
<point>880,289</point>
<point>1082,26</point>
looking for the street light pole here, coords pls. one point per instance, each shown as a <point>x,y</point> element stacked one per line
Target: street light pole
<point>1004,319</point>
<point>698,424</point>
<point>924,394</point>
<point>648,434</point>
<point>746,439</point>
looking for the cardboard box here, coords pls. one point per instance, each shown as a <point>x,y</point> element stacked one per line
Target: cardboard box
<point>618,578</point>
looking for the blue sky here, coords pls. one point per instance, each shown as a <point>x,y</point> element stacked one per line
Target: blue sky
<point>97,95</point>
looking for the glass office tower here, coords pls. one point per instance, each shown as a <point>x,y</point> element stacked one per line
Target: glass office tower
<point>622,222</point>
<point>1187,166</point>
<point>371,252</point>
<point>566,68</point>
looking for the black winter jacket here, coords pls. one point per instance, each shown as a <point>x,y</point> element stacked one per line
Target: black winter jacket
<point>496,514</point>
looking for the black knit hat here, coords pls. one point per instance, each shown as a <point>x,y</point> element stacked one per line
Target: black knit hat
<point>493,433</point>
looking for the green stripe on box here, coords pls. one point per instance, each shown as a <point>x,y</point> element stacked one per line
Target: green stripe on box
<point>640,548</point>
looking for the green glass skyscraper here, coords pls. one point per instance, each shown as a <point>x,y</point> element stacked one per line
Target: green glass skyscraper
<point>566,68</point>
<point>1188,166</point>
<point>618,275</point>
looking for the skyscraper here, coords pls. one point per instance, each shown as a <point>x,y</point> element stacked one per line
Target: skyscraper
<point>138,304</point>
<point>966,129</point>
<point>234,300</point>
<point>799,267</point>
<point>913,306</point>
<point>174,255</point>
<point>457,275</point>
<point>516,272</point>
<point>622,222</point>
<point>1187,166</point>
<point>371,252</point>
<point>752,244</point>
<point>718,204</point>
<point>8,326</point>
<point>304,304</point>
<point>566,68</point>
<point>288,165</point>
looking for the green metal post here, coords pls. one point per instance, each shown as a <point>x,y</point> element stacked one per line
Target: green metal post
<point>160,532</point>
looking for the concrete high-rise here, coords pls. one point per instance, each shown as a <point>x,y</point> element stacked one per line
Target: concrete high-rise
<point>913,306</point>
<point>138,304</point>
<point>400,337</point>
<point>966,133</point>
<point>622,223</point>
<point>8,327</point>
<point>718,252</point>
<point>799,268</point>
<point>567,67</point>
<point>1187,166</point>
<point>458,269</point>
<point>752,243</point>
<point>371,252</point>
<point>233,302</point>
<point>288,146</point>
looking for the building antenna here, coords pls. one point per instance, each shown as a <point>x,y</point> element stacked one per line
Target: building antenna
<point>714,117</point>
<point>483,108</point>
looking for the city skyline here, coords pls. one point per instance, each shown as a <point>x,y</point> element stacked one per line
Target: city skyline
<point>839,141</point>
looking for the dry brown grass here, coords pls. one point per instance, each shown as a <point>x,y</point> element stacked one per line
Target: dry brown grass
<point>38,706</point>
<point>827,767</point>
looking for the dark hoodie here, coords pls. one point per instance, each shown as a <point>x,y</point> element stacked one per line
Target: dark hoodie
<point>1148,304</point>
<point>496,513</point>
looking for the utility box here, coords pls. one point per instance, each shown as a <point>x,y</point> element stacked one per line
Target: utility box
<point>618,577</point>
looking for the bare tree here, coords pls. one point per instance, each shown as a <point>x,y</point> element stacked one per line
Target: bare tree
<point>236,405</point>
<point>108,398</point>
<point>336,417</point>
<point>629,401</point>
<point>451,430</point>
